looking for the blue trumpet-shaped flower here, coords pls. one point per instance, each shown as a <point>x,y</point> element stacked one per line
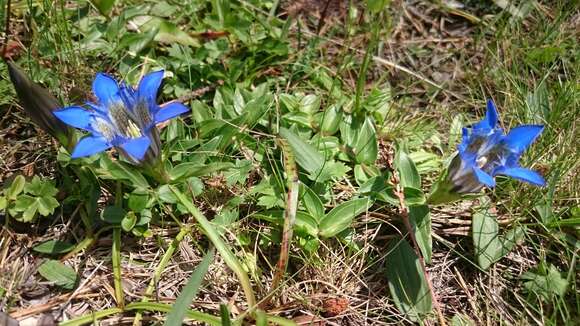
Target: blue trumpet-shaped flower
<point>123,117</point>
<point>484,153</point>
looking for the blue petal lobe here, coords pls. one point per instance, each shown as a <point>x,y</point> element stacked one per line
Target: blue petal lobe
<point>169,111</point>
<point>491,116</point>
<point>137,147</point>
<point>524,175</point>
<point>105,88</point>
<point>149,85</point>
<point>75,116</point>
<point>484,178</point>
<point>519,138</point>
<point>90,145</point>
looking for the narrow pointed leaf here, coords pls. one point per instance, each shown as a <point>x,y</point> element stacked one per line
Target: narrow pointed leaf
<point>181,305</point>
<point>340,217</point>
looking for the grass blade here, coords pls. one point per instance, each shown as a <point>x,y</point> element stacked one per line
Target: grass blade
<point>175,317</point>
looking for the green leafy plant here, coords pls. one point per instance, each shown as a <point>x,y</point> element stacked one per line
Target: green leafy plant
<point>25,200</point>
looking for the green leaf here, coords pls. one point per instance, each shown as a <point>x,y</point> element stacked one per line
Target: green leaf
<point>421,222</point>
<point>307,156</point>
<point>116,170</point>
<point>104,6</point>
<point>309,104</point>
<point>166,195</point>
<point>167,32</point>
<point>16,187</point>
<point>3,202</point>
<point>129,221</point>
<point>546,283</point>
<point>489,245</point>
<point>414,196</point>
<point>53,247</point>
<point>137,201</point>
<point>341,216</point>
<point>331,120</point>
<point>113,214</point>
<point>304,223</point>
<point>407,282</point>
<point>187,170</point>
<point>46,205</point>
<point>57,272</point>
<point>181,305</point>
<point>312,202</point>
<point>135,42</point>
<point>366,148</point>
<point>407,171</point>
<point>40,188</point>
<point>376,6</point>
<point>225,315</point>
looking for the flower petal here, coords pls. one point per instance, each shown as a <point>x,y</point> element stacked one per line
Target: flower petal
<point>90,145</point>
<point>491,116</point>
<point>105,88</point>
<point>484,178</point>
<point>149,85</point>
<point>520,137</point>
<point>169,111</point>
<point>489,121</point>
<point>127,94</point>
<point>137,147</point>
<point>76,116</point>
<point>525,175</point>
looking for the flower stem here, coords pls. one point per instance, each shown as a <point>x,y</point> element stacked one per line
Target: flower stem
<point>116,259</point>
<point>159,270</point>
<point>289,218</point>
<point>226,253</point>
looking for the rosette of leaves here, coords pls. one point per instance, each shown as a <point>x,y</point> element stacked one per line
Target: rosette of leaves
<point>24,201</point>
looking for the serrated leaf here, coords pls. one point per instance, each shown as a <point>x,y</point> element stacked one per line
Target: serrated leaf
<point>546,283</point>
<point>46,205</point>
<point>421,222</point>
<point>60,274</point>
<point>16,187</point>
<point>341,216</point>
<point>40,188</point>
<point>407,282</point>
<point>53,247</point>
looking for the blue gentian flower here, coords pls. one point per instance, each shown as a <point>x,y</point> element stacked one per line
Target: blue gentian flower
<point>486,152</point>
<point>123,117</point>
